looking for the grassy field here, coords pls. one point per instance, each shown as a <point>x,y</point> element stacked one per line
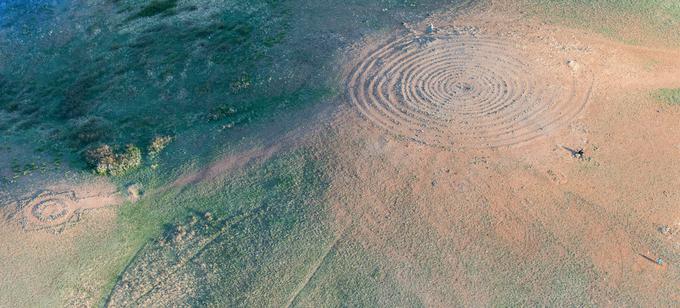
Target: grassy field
<point>631,21</point>
<point>215,78</point>
<point>668,96</point>
<point>124,72</point>
<point>116,81</point>
<point>266,208</point>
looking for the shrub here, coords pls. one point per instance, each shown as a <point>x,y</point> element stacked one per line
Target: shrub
<point>7,95</point>
<point>240,84</point>
<point>158,144</point>
<point>669,96</point>
<point>77,99</point>
<point>106,161</point>
<point>89,131</point>
<point>156,7</point>
<point>221,112</point>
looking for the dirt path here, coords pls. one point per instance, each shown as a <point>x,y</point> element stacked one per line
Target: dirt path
<point>312,271</point>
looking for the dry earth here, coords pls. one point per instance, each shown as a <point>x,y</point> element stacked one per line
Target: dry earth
<point>466,135</point>
<point>42,233</point>
<point>454,159</point>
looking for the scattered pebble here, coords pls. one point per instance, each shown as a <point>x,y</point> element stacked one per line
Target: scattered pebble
<point>573,65</point>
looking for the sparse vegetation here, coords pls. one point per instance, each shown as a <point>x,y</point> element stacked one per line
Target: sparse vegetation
<point>240,84</point>
<point>669,96</point>
<point>659,19</point>
<point>156,7</point>
<point>337,214</point>
<point>158,144</point>
<point>106,161</point>
<point>221,112</point>
<point>104,88</point>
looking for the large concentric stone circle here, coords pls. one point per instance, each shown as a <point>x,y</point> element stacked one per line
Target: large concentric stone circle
<point>457,91</point>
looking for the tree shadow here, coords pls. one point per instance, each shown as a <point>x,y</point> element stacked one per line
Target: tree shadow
<point>576,153</point>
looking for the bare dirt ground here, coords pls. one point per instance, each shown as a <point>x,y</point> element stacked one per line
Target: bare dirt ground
<point>469,132</point>
<point>454,159</point>
<point>43,231</point>
<point>60,207</point>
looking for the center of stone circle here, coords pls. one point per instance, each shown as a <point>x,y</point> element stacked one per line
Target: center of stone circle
<point>49,210</point>
<point>463,87</point>
<point>476,92</point>
<point>460,88</point>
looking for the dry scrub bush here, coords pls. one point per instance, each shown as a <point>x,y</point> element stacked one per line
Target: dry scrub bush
<point>158,144</point>
<point>105,161</point>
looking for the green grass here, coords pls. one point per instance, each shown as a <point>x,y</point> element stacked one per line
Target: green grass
<point>293,175</point>
<point>131,86</point>
<point>125,80</point>
<point>353,276</point>
<point>668,96</point>
<point>156,7</point>
<point>274,211</point>
<point>165,75</point>
<point>658,20</point>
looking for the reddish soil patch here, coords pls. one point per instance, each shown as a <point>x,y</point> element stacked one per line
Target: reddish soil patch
<point>479,213</point>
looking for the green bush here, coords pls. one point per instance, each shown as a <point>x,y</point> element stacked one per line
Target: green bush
<point>106,161</point>
<point>240,84</point>
<point>90,131</point>
<point>222,112</point>
<point>156,7</point>
<point>669,96</point>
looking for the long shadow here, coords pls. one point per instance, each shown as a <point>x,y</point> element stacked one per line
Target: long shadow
<point>649,259</point>
<point>577,153</point>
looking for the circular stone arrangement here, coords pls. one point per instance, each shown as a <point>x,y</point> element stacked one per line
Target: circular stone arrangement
<point>464,92</point>
<point>49,210</point>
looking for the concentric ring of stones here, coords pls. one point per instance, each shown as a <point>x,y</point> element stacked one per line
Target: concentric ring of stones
<point>457,91</point>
